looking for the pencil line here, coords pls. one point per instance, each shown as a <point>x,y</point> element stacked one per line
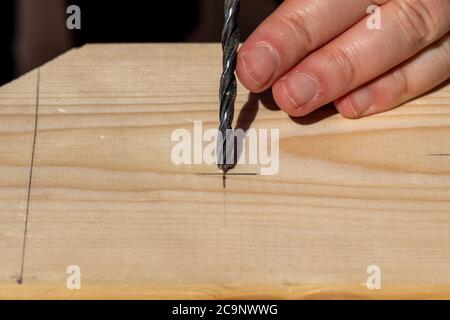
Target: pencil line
<point>25,233</point>
<point>228,174</point>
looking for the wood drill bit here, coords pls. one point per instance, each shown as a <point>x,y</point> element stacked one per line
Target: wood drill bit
<point>228,86</point>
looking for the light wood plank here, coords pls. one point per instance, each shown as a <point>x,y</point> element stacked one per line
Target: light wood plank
<point>107,197</point>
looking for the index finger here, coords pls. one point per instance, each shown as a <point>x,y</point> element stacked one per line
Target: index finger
<point>294,30</point>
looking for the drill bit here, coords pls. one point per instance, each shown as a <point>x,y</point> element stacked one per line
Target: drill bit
<point>228,86</point>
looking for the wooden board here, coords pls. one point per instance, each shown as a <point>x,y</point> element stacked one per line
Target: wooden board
<point>17,123</point>
<point>105,195</point>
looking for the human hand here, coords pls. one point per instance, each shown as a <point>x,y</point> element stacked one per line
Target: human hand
<point>313,52</point>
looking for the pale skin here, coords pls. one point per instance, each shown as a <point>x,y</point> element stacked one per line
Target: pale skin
<point>313,52</point>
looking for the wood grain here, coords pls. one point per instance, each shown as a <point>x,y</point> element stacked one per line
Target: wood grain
<point>106,196</point>
<point>17,115</point>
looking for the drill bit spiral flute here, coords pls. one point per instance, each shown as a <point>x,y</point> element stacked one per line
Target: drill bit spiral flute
<point>228,86</point>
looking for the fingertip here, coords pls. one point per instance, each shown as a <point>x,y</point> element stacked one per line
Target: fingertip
<point>345,108</point>
<point>243,77</point>
<point>257,65</point>
<point>285,103</point>
<point>357,104</point>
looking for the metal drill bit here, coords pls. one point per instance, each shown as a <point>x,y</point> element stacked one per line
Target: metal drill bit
<point>228,86</point>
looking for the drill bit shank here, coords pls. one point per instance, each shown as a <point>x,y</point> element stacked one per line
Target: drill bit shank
<point>228,85</point>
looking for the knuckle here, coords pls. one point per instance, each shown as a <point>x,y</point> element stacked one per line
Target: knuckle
<point>346,65</point>
<point>418,22</point>
<point>446,53</point>
<point>402,81</point>
<point>298,29</point>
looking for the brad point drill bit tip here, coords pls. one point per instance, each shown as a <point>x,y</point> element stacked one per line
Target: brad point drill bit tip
<point>228,85</point>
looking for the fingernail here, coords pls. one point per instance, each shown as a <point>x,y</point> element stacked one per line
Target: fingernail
<point>261,63</point>
<point>300,88</point>
<point>361,100</point>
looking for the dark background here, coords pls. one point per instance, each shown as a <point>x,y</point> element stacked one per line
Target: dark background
<point>33,32</point>
<point>6,39</point>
